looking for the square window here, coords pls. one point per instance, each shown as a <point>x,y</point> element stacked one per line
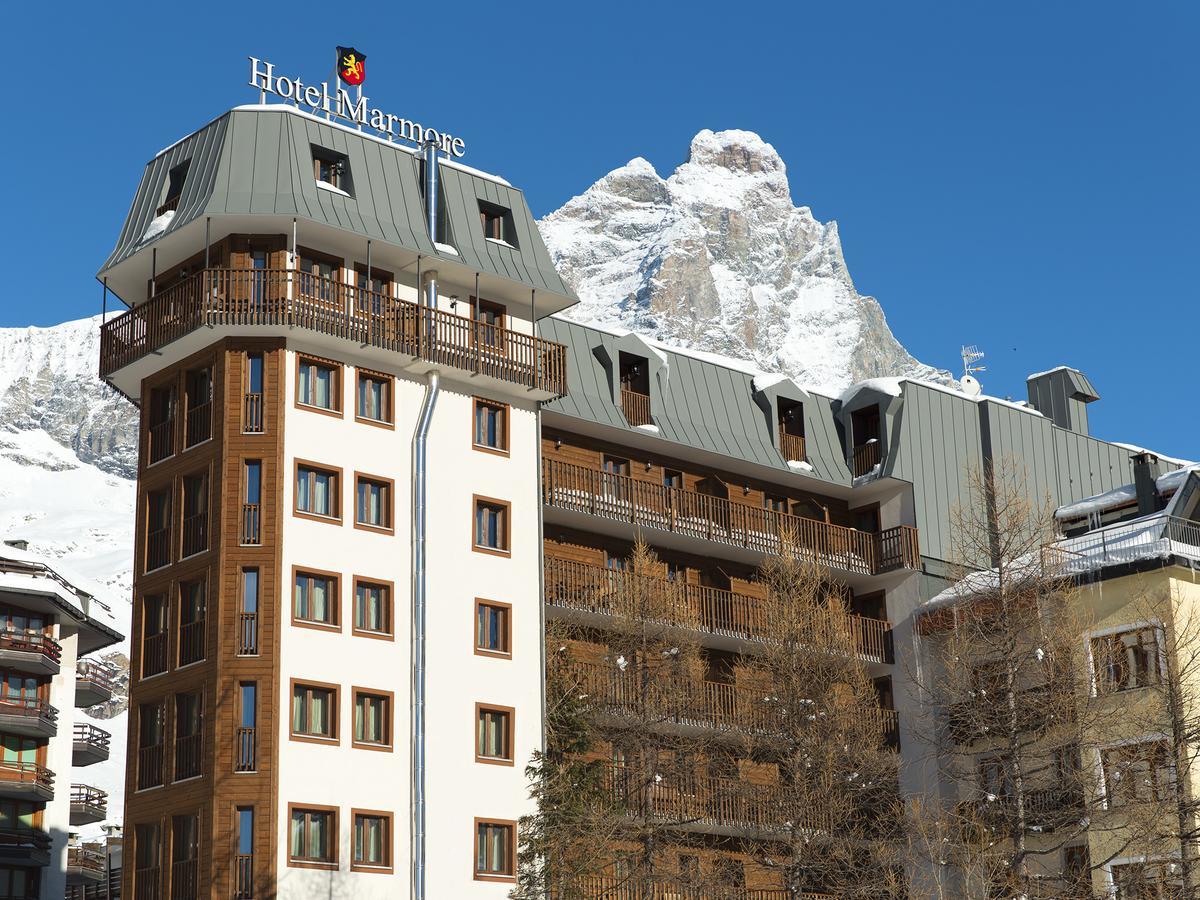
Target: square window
<point>493,628</point>
<point>491,527</point>
<point>497,223</point>
<point>372,719</point>
<point>319,385</point>
<point>494,850</point>
<point>373,401</point>
<point>314,711</point>
<point>373,502</point>
<point>312,837</point>
<point>372,841</point>
<point>494,734</point>
<point>331,168</point>
<point>316,598</point>
<point>372,608</point>
<point>491,426</point>
<point>318,491</point>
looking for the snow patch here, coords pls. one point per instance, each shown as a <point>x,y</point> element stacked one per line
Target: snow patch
<point>158,225</point>
<point>800,465</point>
<point>332,188</point>
<point>653,429</point>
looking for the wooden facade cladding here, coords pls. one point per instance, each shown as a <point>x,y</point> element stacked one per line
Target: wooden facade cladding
<point>218,675</point>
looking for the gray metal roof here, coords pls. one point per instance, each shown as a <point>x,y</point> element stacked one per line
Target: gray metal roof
<point>258,161</point>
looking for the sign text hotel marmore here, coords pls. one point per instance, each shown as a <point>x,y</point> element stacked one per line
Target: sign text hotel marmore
<point>319,99</point>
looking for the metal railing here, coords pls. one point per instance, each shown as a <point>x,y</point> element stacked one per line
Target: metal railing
<point>287,297</point>
<point>1155,535</point>
<point>96,672</point>
<point>12,770</point>
<point>158,549</point>
<point>191,642</point>
<point>147,883</point>
<point>86,795</point>
<point>24,838</point>
<point>866,457</point>
<point>161,437</point>
<point>195,534</point>
<point>188,755</point>
<point>154,654</point>
<point>581,489</point>
<point>247,634</point>
<point>596,589</point>
<point>199,423</point>
<point>245,750</point>
<point>150,766</point>
<point>252,415</point>
<point>31,707</point>
<point>85,858</point>
<point>792,446</point>
<point>251,524</point>
<point>185,879</point>
<point>31,642</point>
<point>96,738</point>
<point>636,407</point>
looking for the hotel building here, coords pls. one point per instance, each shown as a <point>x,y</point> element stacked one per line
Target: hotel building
<point>48,626</point>
<point>367,459</point>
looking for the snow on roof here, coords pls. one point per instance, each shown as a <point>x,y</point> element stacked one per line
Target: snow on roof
<point>1170,459</point>
<point>889,386</point>
<point>1126,493</point>
<point>764,381</point>
<point>1051,371</point>
<point>33,574</point>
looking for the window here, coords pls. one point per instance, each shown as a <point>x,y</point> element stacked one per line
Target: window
<point>20,884</point>
<point>192,610</point>
<point>160,423</point>
<point>372,719</point>
<point>147,857</point>
<point>491,526</point>
<point>316,599</point>
<point>247,734</point>
<point>673,478</point>
<point>372,608</point>
<point>189,721</point>
<point>374,400</point>
<point>175,180</point>
<point>248,614</point>
<point>252,407</point>
<point>243,863</point>
<point>317,491</point>
<point>1126,660</point>
<point>314,711</point>
<point>320,279</point>
<point>312,838</point>
<point>151,729</point>
<point>493,628</point>
<point>491,426</point>
<point>493,734</point>
<point>252,503</point>
<point>497,223</point>
<point>374,293</point>
<point>198,392</point>
<point>791,428</point>
<point>1136,773</point>
<point>775,503</point>
<point>195,514</point>
<point>185,856</point>
<point>373,502</point>
<point>489,323</point>
<point>331,168</point>
<point>154,634</point>
<point>1147,881</point>
<point>158,529</point>
<point>318,385</point>
<point>494,850</point>
<point>372,841</point>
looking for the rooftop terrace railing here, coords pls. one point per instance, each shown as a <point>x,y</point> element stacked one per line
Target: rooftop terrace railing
<point>1150,536</point>
<point>287,297</point>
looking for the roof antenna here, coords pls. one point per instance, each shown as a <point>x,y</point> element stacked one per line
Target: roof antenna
<point>970,384</point>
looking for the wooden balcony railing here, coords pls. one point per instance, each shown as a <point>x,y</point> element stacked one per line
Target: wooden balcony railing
<point>86,795</point>
<point>243,877</point>
<point>158,549</point>
<point>636,407</point>
<point>15,771</point>
<point>191,642</point>
<point>199,423</point>
<point>87,859</point>
<point>95,672</point>
<point>251,525</point>
<point>31,642</point>
<point>285,297</point>
<point>652,505</point>
<point>245,750</point>
<point>195,534</point>
<point>94,737</point>
<point>185,879</point>
<point>252,417</point>
<point>792,446</point>
<point>866,457</point>
<point>24,838</point>
<point>162,439</point>
<point>150,766</point>
<point>189,749</point>
<point>154,654</point>
<point>171,203</point>
<point>1048,807</point>
<point>247,634</point>
<point>596,589</point>
<point>611,887</point>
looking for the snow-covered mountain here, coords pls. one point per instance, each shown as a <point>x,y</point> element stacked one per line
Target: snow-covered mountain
<point>716,257</point>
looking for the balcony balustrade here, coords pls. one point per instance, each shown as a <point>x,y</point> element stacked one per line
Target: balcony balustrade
<point>866,457</point>
<point>195,534</point>
<point>251,524</point>
<point>84,865</point>
<point>29,651</point>
<point>158,549</point>
<point>88,804</point>
<point>1036,708</point>
<point>26,780</point>
<point>24,846</point>
<point>579,489</point>
<point>150,766</point>
<point>90,745</point>
<point>199,423</point>
<point>792,446</point>
<point>1045,809</point>
<point>609,887</point>
<point>185,879</point>
<point>252,417</point>
<point>243,877</point>
<point>28,716</point>
<point>94,682</point>
<point>189,749</point>
<point>154,654</point>
<point>636,407</point>
<point>191,642</point>
<point>611,592</point>
<point>289,298</point>
<point>162,439</point>
<point>245,750</point>
<point>247,634</point>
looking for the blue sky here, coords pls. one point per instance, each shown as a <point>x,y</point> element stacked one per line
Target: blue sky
<point>1021,176</point>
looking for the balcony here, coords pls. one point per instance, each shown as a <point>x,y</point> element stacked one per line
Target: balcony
<point>251,525</point>
<point>1035,709</point>
<point>252,413</point>
<point>791,446</point>
<point>866,457</point>
<point>161,437</point>
<point>247,634</point>
<point>29,652</point>
<point>191,642</point>
<point>94,683</point>
<point>607,887</point>
<point>88,804</point>
<point>28,716</point>
<point>284,298</point>
<point>26,780</point>
<point>245,750</point>
<point>24,847</point>
<point>85,865</point>
<point>636,407</point>
<point>650,505</point>
<point>1045,809</point>
<point>243,876</point>
<point>601,591</point>
<point>91,745</point>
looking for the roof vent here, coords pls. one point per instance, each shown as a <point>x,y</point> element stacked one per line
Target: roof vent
<point>1062,396</point>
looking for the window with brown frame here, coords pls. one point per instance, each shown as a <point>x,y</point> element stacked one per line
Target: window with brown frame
<point>331,168</point>
<point>316,598</point>
<point>491,526</point>
<point>312,836</point>
<point>158,529</point>
<point>151,738</point>
<point>193,603</point>
<point>195,514</point>
<point>375,293</point>
<point>189,734</point>
<point>252,401</point>
<point>489,323</point>
<point>147,860</point>
<point>491,426</point>
<point>494,734</point>
<point>372,608</point>
<point>495,843</point>
<point>318,491</point>
<point>320,279</point>
<point>160,423</point>
<point>373,400</point>
<point>497,222</point>
<point>198,395</point>
<point>372,502</point>
<point>372,719</point>
<point>319,385</point>
<point>154,634</point>
<point>1126,660</point>
<point>372,841</point>
<point>493,628</point>
<point>314,711</point>
<point>1138,773</point>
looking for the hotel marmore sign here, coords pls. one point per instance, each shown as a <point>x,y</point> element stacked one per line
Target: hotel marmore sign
<point>319,99</point>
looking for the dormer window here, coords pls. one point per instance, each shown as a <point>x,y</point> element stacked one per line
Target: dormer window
<point>868,450</point>
<point>331,170</point>
<point>497,223</point>
<point>175,180</point>
<point>635,389</point>
<point>791,429</point>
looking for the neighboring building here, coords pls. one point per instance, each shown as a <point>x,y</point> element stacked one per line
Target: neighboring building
<point>282,357</point>
<point>105,854</point>
<point>48,627</point>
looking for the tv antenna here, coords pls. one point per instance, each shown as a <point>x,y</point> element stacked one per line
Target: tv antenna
<point>970,356</point>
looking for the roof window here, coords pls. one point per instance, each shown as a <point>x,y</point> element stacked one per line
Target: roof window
<point>175,180</point>
<point>497,223</point>
<point>332,170</point>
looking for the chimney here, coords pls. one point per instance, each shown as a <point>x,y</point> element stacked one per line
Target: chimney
<point>1146,469</point>
<point>1062,396</point>
<point>17,544</point>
